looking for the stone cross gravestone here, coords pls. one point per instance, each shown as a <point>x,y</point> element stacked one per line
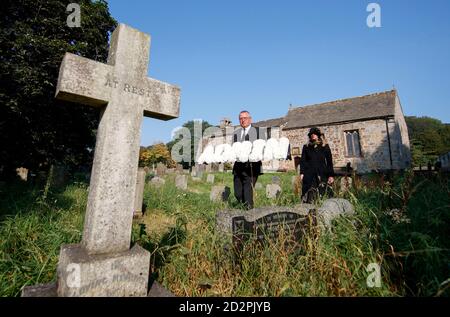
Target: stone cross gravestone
<point>103,264</point>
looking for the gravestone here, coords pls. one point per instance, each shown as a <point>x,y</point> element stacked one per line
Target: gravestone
<point>346,184</point>
<point>161,169</point>
<point>332,209</point>
<point>215,167</point>
<point>221,167</point>
<point>139,196</point>
<point>201,168</point>
<point>196,179</point>
<point>60,176</point>
<point>181,182</point>
<point>220,193</point>
<point>170,171</point>
<point>276,180</point>
<point>258,186</point>
<point>210,178</point>
<point>157,181</point>
<point>179,168</point>
<point>208,168</point>
<point>296,184</point>
<point>273,191</point>
<point>103,263</point>
<point>264,223</point>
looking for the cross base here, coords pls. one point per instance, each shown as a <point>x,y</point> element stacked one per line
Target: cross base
<point>50,290</point>
<point>84,275</point>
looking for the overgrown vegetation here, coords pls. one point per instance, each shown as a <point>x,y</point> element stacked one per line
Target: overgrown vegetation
<point>401,222</point>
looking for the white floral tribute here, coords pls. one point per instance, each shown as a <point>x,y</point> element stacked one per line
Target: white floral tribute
<point>259,150</point>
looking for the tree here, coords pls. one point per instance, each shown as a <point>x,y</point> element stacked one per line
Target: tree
<point>35,129</point>
<point>195,139</point>
<point>158,153</point>
<point>429,138</point>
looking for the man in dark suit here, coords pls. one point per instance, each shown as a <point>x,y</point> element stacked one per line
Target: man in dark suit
<point>245,173</point>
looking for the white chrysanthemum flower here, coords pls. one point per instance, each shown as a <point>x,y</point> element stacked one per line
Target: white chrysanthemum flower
<point>282,150</point>
<point>270,149</point>
<point>257,151</point>
<point>245,151</point>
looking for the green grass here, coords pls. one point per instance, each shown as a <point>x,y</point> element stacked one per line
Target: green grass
<point>188,257</point>
<point>32,231</point>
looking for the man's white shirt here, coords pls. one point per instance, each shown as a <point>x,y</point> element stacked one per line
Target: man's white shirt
<point>245,131</point>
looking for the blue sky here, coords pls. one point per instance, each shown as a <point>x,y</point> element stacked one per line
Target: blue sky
<point>264,55</point>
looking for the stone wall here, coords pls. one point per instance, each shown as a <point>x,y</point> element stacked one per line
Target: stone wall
<point>401,150</point>
<point>373,143</point>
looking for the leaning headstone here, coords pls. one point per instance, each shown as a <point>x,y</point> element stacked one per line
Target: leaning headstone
<point>139,195</point>
<point>157,181</point>
<point>264,223</point>
<point>210,178</point>
<point>333,208</point>
<point>273,191</point>
<point>276,180</point>
<point>219,193</point>
<point>181,182</point>
<point>258,186</point>
<point>103,264</point>
<point>161,169</point>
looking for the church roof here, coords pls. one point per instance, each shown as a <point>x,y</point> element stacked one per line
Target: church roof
<point>378,105</point>
<point>270,123</point>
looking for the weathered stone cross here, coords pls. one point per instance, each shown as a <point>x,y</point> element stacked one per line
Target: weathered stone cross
<point>125,94</point>
<point>103,264</point>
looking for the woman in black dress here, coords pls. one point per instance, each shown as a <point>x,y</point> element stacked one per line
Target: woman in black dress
<point>316,167</point>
